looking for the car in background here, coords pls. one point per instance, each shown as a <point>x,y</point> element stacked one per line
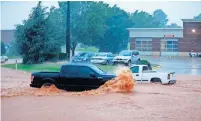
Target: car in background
<point>83,57</point>
<point>127,57</point>
<point>199,54</point>
<point>192,54</point>
<point>102,58</point>
<point>4,59</point>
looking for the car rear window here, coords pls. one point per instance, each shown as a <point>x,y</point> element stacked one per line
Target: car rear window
<point>70,71</point>
<point>145,68</point>
<point>84,72</point>
<point>135,69</point>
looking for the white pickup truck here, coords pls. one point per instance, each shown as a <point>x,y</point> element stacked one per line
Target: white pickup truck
<point>142,74</point>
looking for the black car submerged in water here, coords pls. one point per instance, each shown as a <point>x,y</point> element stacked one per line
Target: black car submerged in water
<point>72,77</point>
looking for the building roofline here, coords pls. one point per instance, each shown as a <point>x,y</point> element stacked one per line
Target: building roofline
<point>7,29</point>
<point>154,28</point>
<point>190,20</point>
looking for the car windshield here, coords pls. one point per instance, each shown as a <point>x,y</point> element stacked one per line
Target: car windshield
<point>125,53</point>
<point>81,55</point>
<point>102,54</point>
<point>98,70</point>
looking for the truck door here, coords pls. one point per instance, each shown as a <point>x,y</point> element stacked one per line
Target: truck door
<point>136,74</point>
<point>145,74</point>
<point>68,77</point>
<point>87,77</point>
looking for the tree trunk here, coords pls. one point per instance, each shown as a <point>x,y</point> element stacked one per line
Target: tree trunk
<point>73,51</point>
<point>74,44</point>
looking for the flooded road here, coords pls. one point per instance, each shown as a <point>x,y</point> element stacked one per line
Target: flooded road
<point>153,102</point>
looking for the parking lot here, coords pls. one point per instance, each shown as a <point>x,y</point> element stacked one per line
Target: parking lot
<point>180,65</point>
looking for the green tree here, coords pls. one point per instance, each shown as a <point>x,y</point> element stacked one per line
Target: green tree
<point>93,24</point>
<point>173,25</point>
<point>141,19</point>
<point>116,36</point>
<point>3,48</point>
<point>160,17</point>
<point>55,33</point>
<point>31,36</point>
<point>77,9</point>
<point>198,17</point>
<point>12,49</point>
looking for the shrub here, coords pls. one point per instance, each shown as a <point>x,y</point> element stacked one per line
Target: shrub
<point>62,56</point>
<point>50,56</point>
<point>145,62</point>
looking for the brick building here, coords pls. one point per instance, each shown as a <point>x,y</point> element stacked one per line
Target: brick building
<point>7,36</point>
<point>167,41</point>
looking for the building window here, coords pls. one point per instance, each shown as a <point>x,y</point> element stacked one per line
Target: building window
<point>143,44</point>
<point>169,45</point>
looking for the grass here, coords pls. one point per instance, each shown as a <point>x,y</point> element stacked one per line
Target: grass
<point>88,49</point>
<point>13,56</point>
<point>34,67</point>
<point>48,67</point>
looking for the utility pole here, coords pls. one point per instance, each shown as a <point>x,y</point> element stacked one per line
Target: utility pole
<point>68,43</point>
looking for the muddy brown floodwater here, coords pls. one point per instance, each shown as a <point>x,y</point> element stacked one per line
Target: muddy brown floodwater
<point>119,99</point>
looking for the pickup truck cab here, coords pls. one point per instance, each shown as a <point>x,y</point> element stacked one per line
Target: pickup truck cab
<point>72,77</point>
<point>142,74</point>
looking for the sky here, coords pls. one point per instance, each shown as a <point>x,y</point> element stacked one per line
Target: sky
<point>13,13</point>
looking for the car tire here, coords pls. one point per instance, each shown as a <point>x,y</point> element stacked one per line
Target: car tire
<point>47,85</point>
<point>138,59</point>
<point>129,64</point>
<point>107,62</point>
<point>156,80</point>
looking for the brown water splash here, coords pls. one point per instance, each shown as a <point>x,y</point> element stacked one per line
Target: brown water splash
<point>122,83</point>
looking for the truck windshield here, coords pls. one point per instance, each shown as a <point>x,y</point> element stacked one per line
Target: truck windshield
<point>98,70</point>
<point>125,53</point>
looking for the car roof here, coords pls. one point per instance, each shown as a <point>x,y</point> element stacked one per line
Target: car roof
<point>78,64</point>
<point>103,52</point>
<point>130,50</point>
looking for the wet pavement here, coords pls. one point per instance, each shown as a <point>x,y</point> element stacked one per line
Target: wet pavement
<point>180,65</point>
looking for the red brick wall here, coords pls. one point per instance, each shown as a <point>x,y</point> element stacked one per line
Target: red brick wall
<point>132,43</point>
<point>187,31</point>
<point>191,41</point>
<point>156,43</point>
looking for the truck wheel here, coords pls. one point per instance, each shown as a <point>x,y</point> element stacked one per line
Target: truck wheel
<point>47,85</point>
<point>138,60</point>
<point>107,62</point>
<point>154,80</point>
<point>129,64</point>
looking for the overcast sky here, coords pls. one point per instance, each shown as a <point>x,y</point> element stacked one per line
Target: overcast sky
<point>13,13</point>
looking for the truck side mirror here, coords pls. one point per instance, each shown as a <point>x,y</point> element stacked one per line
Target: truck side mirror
<point>92,75</point>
